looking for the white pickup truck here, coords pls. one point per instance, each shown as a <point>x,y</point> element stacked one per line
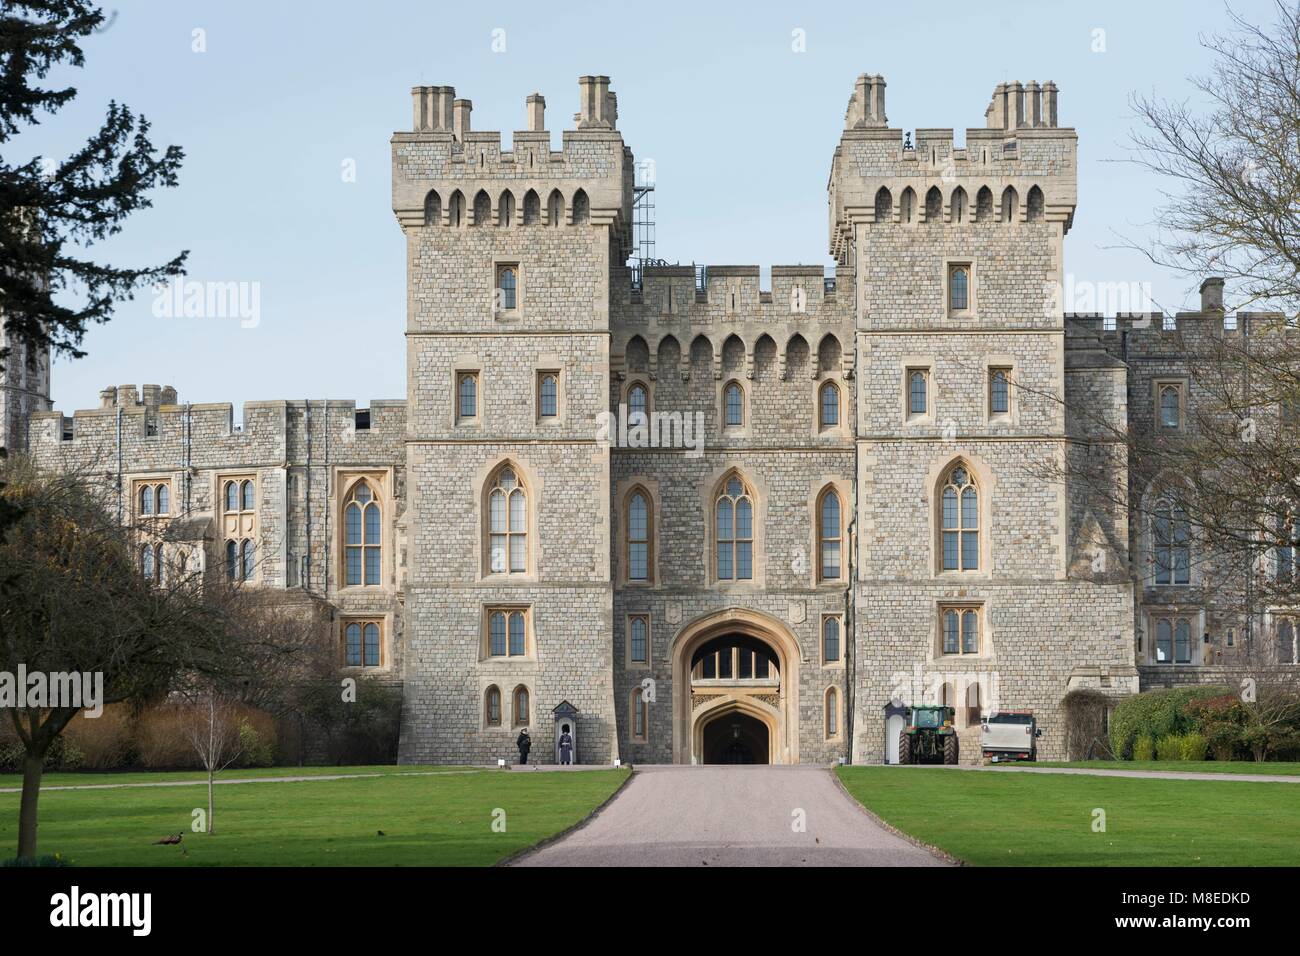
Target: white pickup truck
<point>1009,735</point>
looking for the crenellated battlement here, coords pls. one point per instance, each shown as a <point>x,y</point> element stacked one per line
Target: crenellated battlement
<point>146,420</point>
<point>726,294</point>
<point>1019,167</point>
<point>446,174</point>
<point>1164,326</point>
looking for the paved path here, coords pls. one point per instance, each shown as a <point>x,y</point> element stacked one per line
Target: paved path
<point>731,816</point>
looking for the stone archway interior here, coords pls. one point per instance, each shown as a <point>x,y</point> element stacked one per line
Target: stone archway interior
<point>735,738</point>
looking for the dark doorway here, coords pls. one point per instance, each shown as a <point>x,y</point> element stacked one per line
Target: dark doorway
<point>735,738</point>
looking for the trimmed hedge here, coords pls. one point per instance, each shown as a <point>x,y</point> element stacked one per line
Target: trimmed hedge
<point>1155,714</point>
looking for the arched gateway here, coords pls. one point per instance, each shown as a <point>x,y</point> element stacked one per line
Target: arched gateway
<point>735,690</point>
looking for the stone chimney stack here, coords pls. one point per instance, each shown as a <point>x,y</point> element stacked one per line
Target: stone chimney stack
<point>536,111</point>
<point>867,104</point>
<point>997,112</point>
<point>1049,104</point>
<point>107,397</point>
<point>460,110</point>
<point>858,103</point>
<point>1034,104</point>
<point>1019,106</point>
<point>152,394</point>
<point>594,103</point>
<point>168,395</point>
<point>431,106</point>
<point>878,117</point>
<point>1212,295</point>
<point>127,396</point>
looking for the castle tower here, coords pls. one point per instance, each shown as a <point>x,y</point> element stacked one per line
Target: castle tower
<point>24,389</point>
<point>509,254</point>
<point>984,580</point>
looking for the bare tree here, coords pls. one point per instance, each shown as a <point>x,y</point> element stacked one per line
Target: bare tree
<point>1227,478</point>
<point>211,726</point>
<point>1233,207</point>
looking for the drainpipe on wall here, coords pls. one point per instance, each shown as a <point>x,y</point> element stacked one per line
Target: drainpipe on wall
<point>306,569</point>
<point>850,643</point>
<point>189,480</point>
<point>325,520</point>
<point>1250,591</point>
<point>119,464</point>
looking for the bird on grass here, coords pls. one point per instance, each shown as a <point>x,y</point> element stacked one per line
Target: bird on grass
<point>169,841</point>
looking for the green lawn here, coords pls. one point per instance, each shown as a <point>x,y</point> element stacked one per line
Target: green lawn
<point>1271,768</point>
<point>1029,819</point>
<point>442,820</point>
<point>100,778</point>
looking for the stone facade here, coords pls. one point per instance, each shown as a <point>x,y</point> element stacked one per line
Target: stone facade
<point>510,483</point>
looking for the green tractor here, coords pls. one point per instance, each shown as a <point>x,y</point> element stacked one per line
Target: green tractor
<point>929,736</point>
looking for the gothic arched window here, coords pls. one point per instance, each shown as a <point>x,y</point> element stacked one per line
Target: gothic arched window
<point>639,551</point>
<point>639,715</point>
<point>916,389</point>
<point>830,640</point>
<point>961,631</point>
<point>521,706</point>
<point>999,392</point>
<point>1170,543</point>
<point>247,554</point>
<point>832,713</point>
<point>733,400</point>
<point>492,706</point>
<point>507,633</point>
<point>829,536</point>
<point>548,392</point>
<point>363,536</point>
<point>734,517</point>
<point>467,396</point>
<point>637,403</point>
<point>507,502</point>
<point>361,644</point>
<point>830,405</point>
<point>960,517</point>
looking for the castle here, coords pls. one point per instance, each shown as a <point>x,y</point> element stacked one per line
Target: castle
<point>710,521</point>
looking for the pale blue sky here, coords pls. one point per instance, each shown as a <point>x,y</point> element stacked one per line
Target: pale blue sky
<point>740,127</point>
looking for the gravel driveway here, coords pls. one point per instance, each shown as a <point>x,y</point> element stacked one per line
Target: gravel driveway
<point>731,816</point>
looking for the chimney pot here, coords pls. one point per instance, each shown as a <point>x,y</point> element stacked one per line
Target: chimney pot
<point>1212,295</point>
<point>536,111</point>
<point>460,111</point>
